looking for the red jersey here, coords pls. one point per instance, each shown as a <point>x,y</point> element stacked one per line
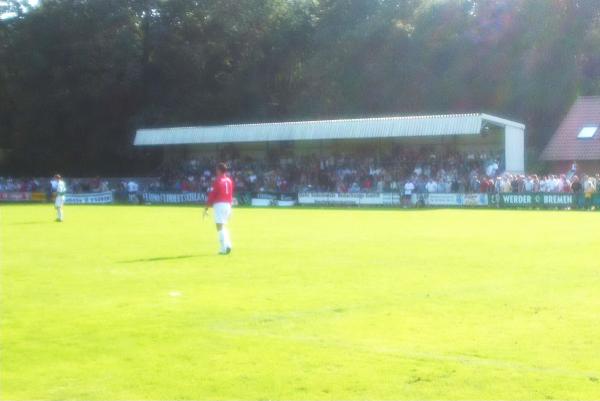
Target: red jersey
<point>222,191</point>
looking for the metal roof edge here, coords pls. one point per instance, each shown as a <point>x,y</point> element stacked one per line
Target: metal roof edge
<point>502,121</point>
<point>438,124</point>
<point>340,120</point>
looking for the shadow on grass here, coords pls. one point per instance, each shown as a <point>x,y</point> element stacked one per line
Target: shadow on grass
<point>161,258</point>
<point>22,223</point>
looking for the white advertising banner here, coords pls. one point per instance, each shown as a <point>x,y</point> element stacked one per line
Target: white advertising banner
<point>356,199</point>
<point>389,198</point>
<point>89,198</point>
<point>457,199</point>
<point>166,197</point>
<point>286,203</point>
<point>261,202</point>
<point>15,196</point>
<point>444,199</point>
<point>475,200</point>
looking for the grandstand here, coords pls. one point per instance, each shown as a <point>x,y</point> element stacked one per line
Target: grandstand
<point>476,132</point>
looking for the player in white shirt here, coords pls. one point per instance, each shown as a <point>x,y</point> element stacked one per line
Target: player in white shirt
<point>61,190</point>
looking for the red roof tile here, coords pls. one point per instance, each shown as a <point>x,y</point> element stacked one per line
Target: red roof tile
<point>565,145</point>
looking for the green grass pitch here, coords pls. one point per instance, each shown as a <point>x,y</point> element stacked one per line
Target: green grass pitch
<point>123,302</point>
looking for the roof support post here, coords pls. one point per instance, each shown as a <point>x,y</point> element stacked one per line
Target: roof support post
<point>514,149</point>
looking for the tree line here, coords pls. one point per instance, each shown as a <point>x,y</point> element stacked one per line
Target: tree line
<point>78,77</point>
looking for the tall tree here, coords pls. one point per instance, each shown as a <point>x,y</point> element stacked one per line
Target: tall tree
<point>77,77</point>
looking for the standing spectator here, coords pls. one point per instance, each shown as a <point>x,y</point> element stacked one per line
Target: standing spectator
<point>432,186</point>
<point>483,185</point>
<point>576,187</point>
<point>409,187</point>
<point>514,184</point>
<point>132,191</point>
<point>590,190</point>
<point>573,170</point>
<point>455,186</point>
<point>536,183</point>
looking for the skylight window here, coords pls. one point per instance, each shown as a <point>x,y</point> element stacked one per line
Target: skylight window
<point>587,132</point>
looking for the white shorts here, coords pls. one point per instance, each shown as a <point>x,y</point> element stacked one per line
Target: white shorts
<point>59,201</point>
<point>222,212</point>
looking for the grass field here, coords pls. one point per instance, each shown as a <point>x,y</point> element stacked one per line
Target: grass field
<point>133,303</point>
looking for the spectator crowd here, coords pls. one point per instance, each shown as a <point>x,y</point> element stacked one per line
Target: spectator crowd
<point>400,171</point>
<point>342,172</point>
<point>397,170</point>
<point>10,184</point>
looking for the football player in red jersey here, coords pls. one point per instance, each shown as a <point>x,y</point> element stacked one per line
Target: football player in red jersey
<point>221,198</point>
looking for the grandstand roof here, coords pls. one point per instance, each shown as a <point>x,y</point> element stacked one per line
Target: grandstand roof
<point>385,127</point>
<point>569,141</point>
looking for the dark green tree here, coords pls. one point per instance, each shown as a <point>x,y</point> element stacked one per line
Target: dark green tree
<point>77,77</point>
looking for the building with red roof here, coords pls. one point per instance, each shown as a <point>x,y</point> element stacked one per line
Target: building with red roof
<point>577,138</point>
